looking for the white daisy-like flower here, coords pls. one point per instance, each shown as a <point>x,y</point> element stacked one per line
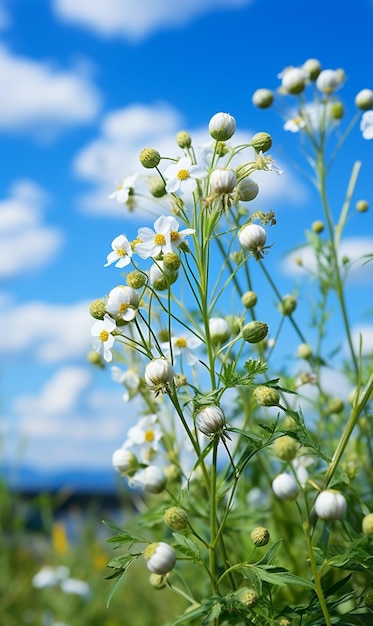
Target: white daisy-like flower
<point>177,237</point>
<point>146,435</point>
<point>183,345</point>
<point>295,124</point>
<point>267,163</point>
<point>154,242</point>
<point>366,125</point>
<point>102,330</point>
<point>129,378</point>
<point>121,252</point>
<point>182,176</point>
<point>124,189</point>
<point>122,303</point>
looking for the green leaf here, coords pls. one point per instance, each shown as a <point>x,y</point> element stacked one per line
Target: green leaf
<point>187,546</point>
<point>213,614</point>
<point>113,589</point>
<point>123,536</point>
<point>250,574</point>
<point>123,562</point>
<point>269,556</point>
<point>280,576</point>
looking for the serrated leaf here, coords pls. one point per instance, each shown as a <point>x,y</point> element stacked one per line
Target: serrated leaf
<point>279,576</point>
<point>113,589</point>
<point>123,536</point>
<point>249,573</point>
<point>213,614</point>
<point>123,562</point>
<point>187,546</point>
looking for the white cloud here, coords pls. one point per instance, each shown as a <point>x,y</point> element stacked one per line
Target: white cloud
<point>136,20</point>
<point>364,333</point>
<point>353,248</point>
<point>125,132</point>
<point>36,96</point>
<point>53,332</point>
<point>26,243</point>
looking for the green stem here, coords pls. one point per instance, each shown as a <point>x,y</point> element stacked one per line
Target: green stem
<point>212,550</point>
<point>316,576</point>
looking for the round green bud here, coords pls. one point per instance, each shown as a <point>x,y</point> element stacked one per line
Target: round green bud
<point>183,139</point>
<point>97,309</point>
<point>171,261</point>
<point>362,206</point>
<point>261,142</point>
<point>260,536</point>
<point>304,351</point>
<point>364,99</point>
<point>345,260</point>
<point>368,599</point>
<point>318,226</point>
<point>173,473</point>
<point>247,596</point>
<point>335,405</point>
<point>249,299</point>
<point>286,448</point>
<point>255,331</point>
<point>337,110</point>
<point>94,358</point>
<point>266,396</point>
<point>158,581</point>
<point>367,524</point>
<point>312,68</point>
<point>176,518</point>
<point>149,157</point>
<point>156,187</point>
<point>262,98</point>
<point>163,335</point>
<point>136,279</point>
<point>288,305</point>
<point>247,189</point>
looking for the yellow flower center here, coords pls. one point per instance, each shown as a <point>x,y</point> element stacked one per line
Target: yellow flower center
<point>149,435</point>
<point>174,234</point>
<point>120,252</point>
<point>180,342</point>
<point>159,239</point>
<point>135,242</point>
<point>183,174</point>
<point>103,336</point>
<point>123,307</point>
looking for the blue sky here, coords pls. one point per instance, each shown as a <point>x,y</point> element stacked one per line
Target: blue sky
<point>85,85</point>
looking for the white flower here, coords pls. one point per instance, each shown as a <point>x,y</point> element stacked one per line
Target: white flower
<point>222,126</point>
<point>124,189</point>
<point>177,237</point>
<point>146,434</point>
<point>123,460</point>
<point>154,242</point>
<point>160,557</point>
<point>219,329</point>
<point>222,180</point>
<point>295,124</point>
<point>102,329</point>
<point>366,125</point>
<point>182,176</point>
<point>285,486</point>
<point>159,373</point>
<point>210,420</point>
<point>129,378</point>
<point>329,81</point>
<point>364,99</point>
<point>50,576</point>
<point>75,586</point>
<point>252,237</point>
<point>122,303</point>
<point>122,252</point>
<point>331,505</point>
<point>151,478</point>
<point>182,345</point>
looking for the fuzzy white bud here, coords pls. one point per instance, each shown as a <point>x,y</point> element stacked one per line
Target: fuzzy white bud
<point>124,460</point>
<point>329,81</point>
<point>331,505</point>
<point>262,98</point>
<point>151,478</point>
<point>219,330</point>
<point>160,557</point>
<point>210,420</point>
<point>364,99</point>
<point>222,126</point>
<point>159,373</point>
<point>285,486</point>
<point>294,80</point>
<point>252,237</point>
<point>222,180</point>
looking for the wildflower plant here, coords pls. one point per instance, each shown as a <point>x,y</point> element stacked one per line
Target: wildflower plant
<point>253,492</point>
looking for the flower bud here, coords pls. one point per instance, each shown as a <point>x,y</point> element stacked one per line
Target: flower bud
<point>252,237</point>
<point>222,181</point>
<point>285,486</point>
<point>151,478</point>
<point>124,460</point>
<point>149,158</point>
<point>266,396</point>
<point>294,80</point>
<point>176,518</point>
<point>262,98</point>
<point>364,99</point>
<point>171,261</point>
<point>247,189</point>
<point>222,126</point>
<point>255,331</point>
<point>157,186</point>
<point>330,80</point>
<point>312,68</point>
<point>247,596</point>
<point>367,524</point>
<point>173,473</point>
<point>159,372</point>
<point>157,581</point>
<point>304,351</point>
<point>249,299</point>
<point>160,557</point>
<point>259,536</point>
<point>288,305</point>
<point>97,309</point>
<point>261,142</point>
<point>183,139</point>
<point>210,420</point>
<point>286,448</point>
<point>368,599</point>
<point>331,505</point>
<point>337,110</point>
<point>318,226</point>
<point>362,206</point>
<point>160,277</point>
<point>95,358</point>
<point>136,279</point>
<point>335,405</point>
<point>219,330</point>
